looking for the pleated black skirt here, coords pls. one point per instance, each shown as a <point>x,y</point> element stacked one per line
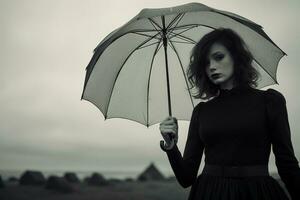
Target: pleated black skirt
<point>208,187</point>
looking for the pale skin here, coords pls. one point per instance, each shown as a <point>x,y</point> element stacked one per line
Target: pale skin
<point>219,70</point>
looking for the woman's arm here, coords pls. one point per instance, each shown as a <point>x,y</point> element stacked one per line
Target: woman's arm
<point>186,167</point>
<point>285,159</point>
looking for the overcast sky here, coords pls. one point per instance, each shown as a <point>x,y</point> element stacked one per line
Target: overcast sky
<point>44,49</point>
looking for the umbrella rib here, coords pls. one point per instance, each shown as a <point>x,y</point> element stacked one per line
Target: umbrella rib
<point>152,23</point>
<point>181,66</point>
<point>173,21</point>
<point>265,70</point>
<point>180,16</point>
<point>149,45</point>
<point>161,44</point>
<point>141,30</point>
<point>236,17</point>
<point>194,42</point>
<point>184,40</point>
<point>98,53</point>
<point>256,27</point>
<point>122,68</point>
<point>184,26</point>
<point>187,39</point>
<point>142,34</point>
<point>189,25</point>
<point>148,86</point>
<point>181,42</point>
<point>189,28</point>
<point>169,41</point>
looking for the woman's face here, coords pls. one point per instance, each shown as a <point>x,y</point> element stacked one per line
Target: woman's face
<point>220,65</point>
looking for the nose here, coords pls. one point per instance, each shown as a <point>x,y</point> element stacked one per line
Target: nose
<point>212,66</point>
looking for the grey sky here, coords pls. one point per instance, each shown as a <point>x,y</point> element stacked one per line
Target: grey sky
<point>45,47</point>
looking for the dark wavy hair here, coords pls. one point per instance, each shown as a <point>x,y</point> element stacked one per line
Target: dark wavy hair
<point>244,73</point>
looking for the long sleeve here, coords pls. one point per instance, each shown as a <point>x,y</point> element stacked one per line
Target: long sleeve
<point>285,159</point>
<point>186,167</point>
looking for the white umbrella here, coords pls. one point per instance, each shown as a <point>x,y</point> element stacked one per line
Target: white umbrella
<point>130,76</point>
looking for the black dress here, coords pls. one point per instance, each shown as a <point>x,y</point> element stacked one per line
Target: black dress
<point>237,128</point>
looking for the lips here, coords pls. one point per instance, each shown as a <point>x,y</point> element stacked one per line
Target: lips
<point>215,76</point>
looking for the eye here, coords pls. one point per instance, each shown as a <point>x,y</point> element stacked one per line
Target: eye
<point>219,57</point>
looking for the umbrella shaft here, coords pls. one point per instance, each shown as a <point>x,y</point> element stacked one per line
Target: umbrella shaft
<point>168,82</point>
<point>166,61</point>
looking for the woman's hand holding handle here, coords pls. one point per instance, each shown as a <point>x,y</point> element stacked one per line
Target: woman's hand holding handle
<point>169,131</point>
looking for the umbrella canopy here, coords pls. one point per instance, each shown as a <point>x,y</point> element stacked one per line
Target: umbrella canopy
<point>131,76</point>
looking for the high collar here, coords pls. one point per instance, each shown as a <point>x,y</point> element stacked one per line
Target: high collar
<point>235,90</point>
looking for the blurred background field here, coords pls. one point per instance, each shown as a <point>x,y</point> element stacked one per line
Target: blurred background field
<point>151,190</point>
<point>145,185</point>
<point>149,184</point>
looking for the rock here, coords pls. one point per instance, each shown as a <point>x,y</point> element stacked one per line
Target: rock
<point>86,180</point>
<point>151,173</point>
<point>1,183</point>
<point>59,184</point>
<point>13,179</point>
<point>32,178</point>
<point>71,177</point>
<point>97,179</point>
<point>114,181</point>
<point>129,179</point>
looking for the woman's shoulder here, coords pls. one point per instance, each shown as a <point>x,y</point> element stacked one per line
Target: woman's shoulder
<point>272,96</point>
<point>199,105</point>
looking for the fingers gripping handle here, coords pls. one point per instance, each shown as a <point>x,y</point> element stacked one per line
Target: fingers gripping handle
<point>164,146</point>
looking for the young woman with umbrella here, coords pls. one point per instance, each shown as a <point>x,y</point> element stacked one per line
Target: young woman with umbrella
<point>235,128</point>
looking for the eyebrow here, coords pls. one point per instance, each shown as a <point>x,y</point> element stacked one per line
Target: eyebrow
<point>215,53</point>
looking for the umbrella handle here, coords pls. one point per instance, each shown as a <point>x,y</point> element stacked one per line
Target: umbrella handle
<point>163,145</point>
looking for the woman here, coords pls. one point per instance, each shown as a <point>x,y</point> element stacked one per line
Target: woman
<point>235,128</point>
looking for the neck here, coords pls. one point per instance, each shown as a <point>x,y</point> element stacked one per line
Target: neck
<point>228,85</point>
